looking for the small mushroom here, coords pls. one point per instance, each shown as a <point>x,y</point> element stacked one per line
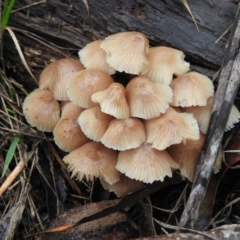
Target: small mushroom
<point>146,163</point>
<point>123,134</point>
<point>203,115</point>
<point>93,160</point>
<point>191,89</point>
<point>94,122</point>
<point>56,75</point>
<point>92,56</point>
<point>67,133</point>
<point>123,187</point>
<point>41,110</point>
<point>164,62</point>
<point>171,128</point>
<point>86,82</point>
<point>186,155</point>
<point>127,52</point>
<point>113,101</point>
<point>146,99</point>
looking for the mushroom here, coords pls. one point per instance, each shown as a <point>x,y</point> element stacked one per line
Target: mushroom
<point>146,163</point>
<point>123,187</point>
<point>203,115</point>
<point>41,110</point>
<point>146,99</point>
<point>93,160</point>
<point>113,101</point>
<point>164,62</point>
<point>94,122</point>
<point>186,155</point>
<point>92,56</point>
<point>171,128</point>
<point>191,89</point>
<point>127,51</point>
<point>56,75</point>
<point>123,134</point>
<point>67,133</point>
<point>86,82</point>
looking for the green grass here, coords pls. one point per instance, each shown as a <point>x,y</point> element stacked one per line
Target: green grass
<point>10,154</point>
<point>7,8</point>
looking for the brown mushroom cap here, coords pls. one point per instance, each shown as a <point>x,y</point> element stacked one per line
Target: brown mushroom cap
<point>171,128</point>
<point>56,75</point>
<point>92,56</point>
<point>86,82</point>
<point>123,134</point>
<point>191,89</point>
<point>41,110</point>
<point>94,122</point>
<point>67,133</point>
<point>146,99</point>
<point>113,101</point>
<point>145,163</point>
<point>93,160</point>
<point>123,187</point>
<point>186,155</point>
<point>163,63</point>
<point>127,51</point>
<point>203,115</point>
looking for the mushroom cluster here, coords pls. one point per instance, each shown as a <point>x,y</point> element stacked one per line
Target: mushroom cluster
<point>125,135</point>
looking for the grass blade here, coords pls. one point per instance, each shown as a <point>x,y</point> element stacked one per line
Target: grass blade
<point>10,155</point>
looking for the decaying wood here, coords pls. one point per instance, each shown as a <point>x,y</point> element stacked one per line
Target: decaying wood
<point>55,29</point>
<point>227,89</point>
<point>225,232</point>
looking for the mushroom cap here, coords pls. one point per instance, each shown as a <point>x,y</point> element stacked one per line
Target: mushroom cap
<point>67,133</point>
<point>93,160</point>
<point>234,118</point>
<point>186,155</point>
<point>94,123</point>
<point>56,75</point>
<point>124,134</point>
<point>163,63</point>
<point>127,51</point>
<point>146,99</point>
<point>191,89</point>
<point>113,101</point>
<point>92,56</point>
<point>145,163</point>
<point>171,128</point>
<point>202,114</point>
<point>123,187</point>
<point>41,110</point>
<point>86,82</point>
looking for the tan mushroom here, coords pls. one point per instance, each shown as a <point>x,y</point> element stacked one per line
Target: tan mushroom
<point>164,62</point>
<point>113,101</point>
<point>146,99</point>
<point>191,89</point>
<point>41,110</point>
<point>92,56</point>
<point>123,187</point>
<point>56,75</point>
<point>86,82</point>
<point>127,52</point>
<point>67,133</point>
<point>93,160</point>
<point>171,128</point>
<point>123,134</point>
<point>94,122</point>
<point>145,163</point>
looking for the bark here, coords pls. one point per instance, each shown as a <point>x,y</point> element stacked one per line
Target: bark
<point>55,29</point>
